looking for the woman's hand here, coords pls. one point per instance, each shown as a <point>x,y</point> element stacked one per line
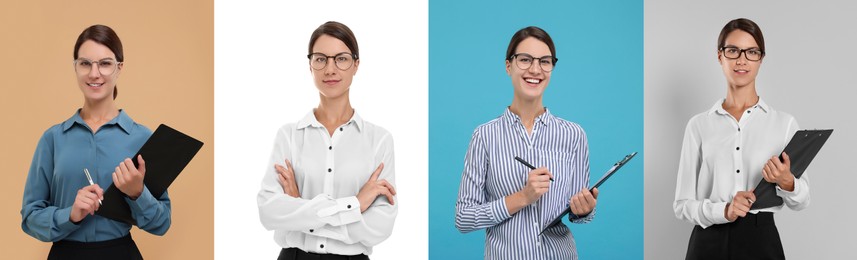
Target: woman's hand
<point>128,179</point>
<point>538,183</point>
<point>286,177</point>
<point>740,205</point>
<point>86,202</point>
<point>583,202</point>
<point>779,172</point>
<point>374,188</point>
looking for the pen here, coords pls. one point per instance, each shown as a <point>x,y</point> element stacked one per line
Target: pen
<point>525,163</point>
<point>88,177</point>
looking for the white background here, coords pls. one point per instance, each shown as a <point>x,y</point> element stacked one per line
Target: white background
<point>808,72</point>
<point>263,80</point>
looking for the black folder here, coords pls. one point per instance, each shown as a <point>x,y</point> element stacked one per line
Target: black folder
<point>166,153</point>
<point>610,172</point>
<point>803,147</point>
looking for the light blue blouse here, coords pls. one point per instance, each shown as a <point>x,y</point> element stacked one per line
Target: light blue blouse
<point>56,174</point>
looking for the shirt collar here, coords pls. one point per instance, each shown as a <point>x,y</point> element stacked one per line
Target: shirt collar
<point>545,119</point>
<point>764,106</point>
<point>718,107</point>
<point>122,120</point>
<point>309,120</point>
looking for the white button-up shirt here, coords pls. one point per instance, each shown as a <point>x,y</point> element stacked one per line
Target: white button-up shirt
<point>721,156</point>
<point>330,170</point>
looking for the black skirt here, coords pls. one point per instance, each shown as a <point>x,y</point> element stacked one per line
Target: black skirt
<point>120,248</point>
<point>752,237</point>
<point>297,254</point>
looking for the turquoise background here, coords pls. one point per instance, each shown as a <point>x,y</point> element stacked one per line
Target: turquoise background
<point>598,83</point>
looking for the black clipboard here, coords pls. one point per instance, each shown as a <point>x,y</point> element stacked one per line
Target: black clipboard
<point>616,166</point>
<point>802,149</point>
<point>166,153</point>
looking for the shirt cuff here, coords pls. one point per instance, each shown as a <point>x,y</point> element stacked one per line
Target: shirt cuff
<point>798,198</point>
<point>582,219</point>
<point>145,201</point>
<point>718,215</point>
<point>499,211</point>
<point>339,233</point>
<point>63,219</point>
<point>784,193</point>
<point>345,211</point>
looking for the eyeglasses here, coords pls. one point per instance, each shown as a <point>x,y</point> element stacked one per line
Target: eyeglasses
<point>105,66</point>
<point>752,54</point>
<point>343,60</point>
<point>525,61</point>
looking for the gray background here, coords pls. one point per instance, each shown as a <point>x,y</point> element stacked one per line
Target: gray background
<point>809,72</point>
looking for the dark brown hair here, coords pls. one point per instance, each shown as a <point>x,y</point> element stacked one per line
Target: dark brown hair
<point>525,33</point>
<point>745,25</point>
<point>339,31</point>
<point>103,35</point>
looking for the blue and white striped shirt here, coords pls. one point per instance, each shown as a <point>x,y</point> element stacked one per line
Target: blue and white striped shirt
<point>491,173</point>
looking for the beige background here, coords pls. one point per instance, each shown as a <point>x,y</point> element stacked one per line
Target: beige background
<point>167,78</point>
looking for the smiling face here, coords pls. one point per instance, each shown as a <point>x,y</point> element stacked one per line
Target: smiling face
<point>529,84</point>
<point>740,72</point>
<point>94,85</point>
<point>331,81</point>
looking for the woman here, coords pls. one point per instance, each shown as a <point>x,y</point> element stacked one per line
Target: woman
<point>513,202</point>
<point>328,191</point>
<point>727,150</point>
<point>59,202</point>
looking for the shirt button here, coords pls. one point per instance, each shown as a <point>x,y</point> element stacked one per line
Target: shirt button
<point>311,230</point>
<point>341,129</point>
<point>748,111</point>
<point>349,206</point>
<point>329,170</point>
<point>738,171</point>
<point>321,246</point>
<point>737,148</point>
<point>739,129</point>
<point>330,148</point>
